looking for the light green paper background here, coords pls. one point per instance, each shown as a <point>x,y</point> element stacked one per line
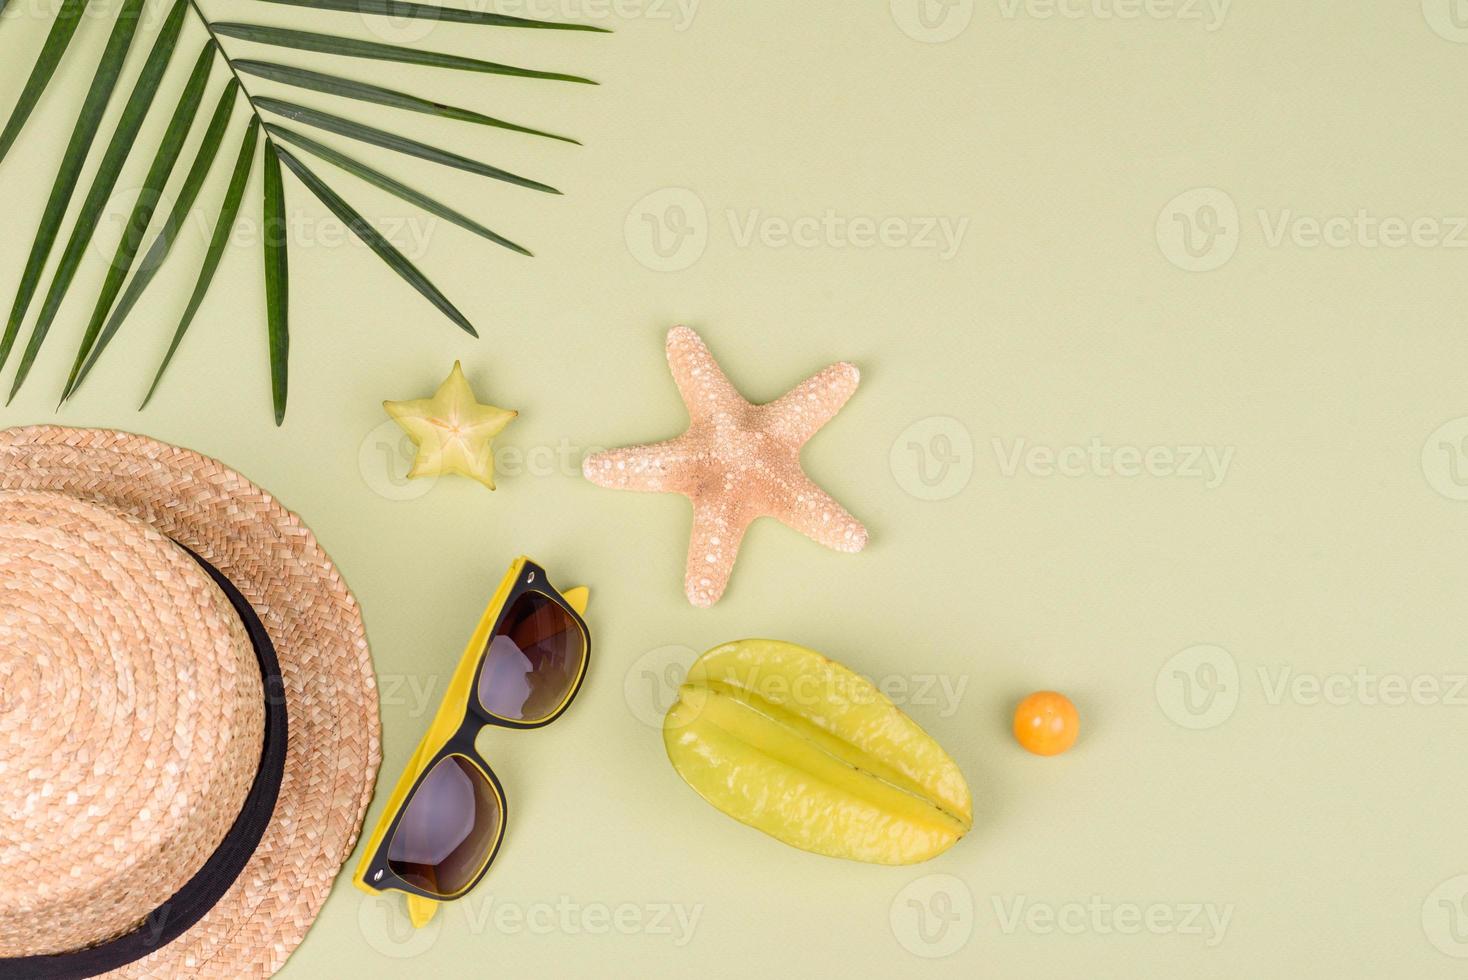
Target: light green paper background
<point>1330,835</point>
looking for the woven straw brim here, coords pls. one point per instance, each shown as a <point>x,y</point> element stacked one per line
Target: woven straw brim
<point>131,721</point>
<point>334,746</point>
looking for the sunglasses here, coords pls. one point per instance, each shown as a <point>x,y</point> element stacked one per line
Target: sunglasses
<point>445,821</point>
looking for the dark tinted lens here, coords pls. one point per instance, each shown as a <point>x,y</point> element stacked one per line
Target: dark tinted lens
<point>448,829</point>
<point>533,660</point>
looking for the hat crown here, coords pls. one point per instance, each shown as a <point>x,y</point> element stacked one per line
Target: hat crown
<point>320,706</point>
<point>131,721</point>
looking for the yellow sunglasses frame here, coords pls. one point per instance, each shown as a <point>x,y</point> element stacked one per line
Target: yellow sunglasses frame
<point>453,711</point>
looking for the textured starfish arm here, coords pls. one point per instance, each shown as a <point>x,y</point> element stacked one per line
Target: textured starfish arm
<point>816,514</point>
<point>799,413</point>
<point>702,383</point>
<point>660,467</point>
<point>718,528</point>
<point>736,462</point>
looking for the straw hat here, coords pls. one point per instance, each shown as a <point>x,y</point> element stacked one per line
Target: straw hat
<point>189,733</point>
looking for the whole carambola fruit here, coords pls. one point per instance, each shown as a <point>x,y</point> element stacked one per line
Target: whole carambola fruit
<point>794,744</point>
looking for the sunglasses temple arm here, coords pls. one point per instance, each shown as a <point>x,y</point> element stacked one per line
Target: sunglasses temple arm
<point>577,598</point>
<point>421,910</point>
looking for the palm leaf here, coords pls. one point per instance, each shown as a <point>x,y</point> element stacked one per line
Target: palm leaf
<point>103,183</point>
<point>382,138</point>
<point>142,212</point>
<point>362,91</point>
<point>222,229</point>
<point>93,106</point>
<point>67,19</point>
<point>108,311</point>
<point>394,187</point>
<point>396,260</point>
<point>163,244</point>
<point>393,8</point>
<point>377,51</point>
<point>277,280</point>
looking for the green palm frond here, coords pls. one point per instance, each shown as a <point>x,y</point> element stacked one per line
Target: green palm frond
<point>65,25</point>
<point>392,186</point>
<point>351,48</point>
<point>129,275</point>
<point>394,8</point>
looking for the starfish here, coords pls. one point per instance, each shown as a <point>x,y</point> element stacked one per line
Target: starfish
<point>737,462</point>
<point>452,430</point>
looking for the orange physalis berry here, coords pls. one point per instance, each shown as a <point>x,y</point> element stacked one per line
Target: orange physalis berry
<point>1046,723</point>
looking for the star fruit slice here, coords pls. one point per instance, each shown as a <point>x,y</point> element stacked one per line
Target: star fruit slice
<point>796,745</point>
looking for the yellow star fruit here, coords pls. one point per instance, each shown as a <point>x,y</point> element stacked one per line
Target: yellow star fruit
<point>454,433</point>
<point>796,745</point>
